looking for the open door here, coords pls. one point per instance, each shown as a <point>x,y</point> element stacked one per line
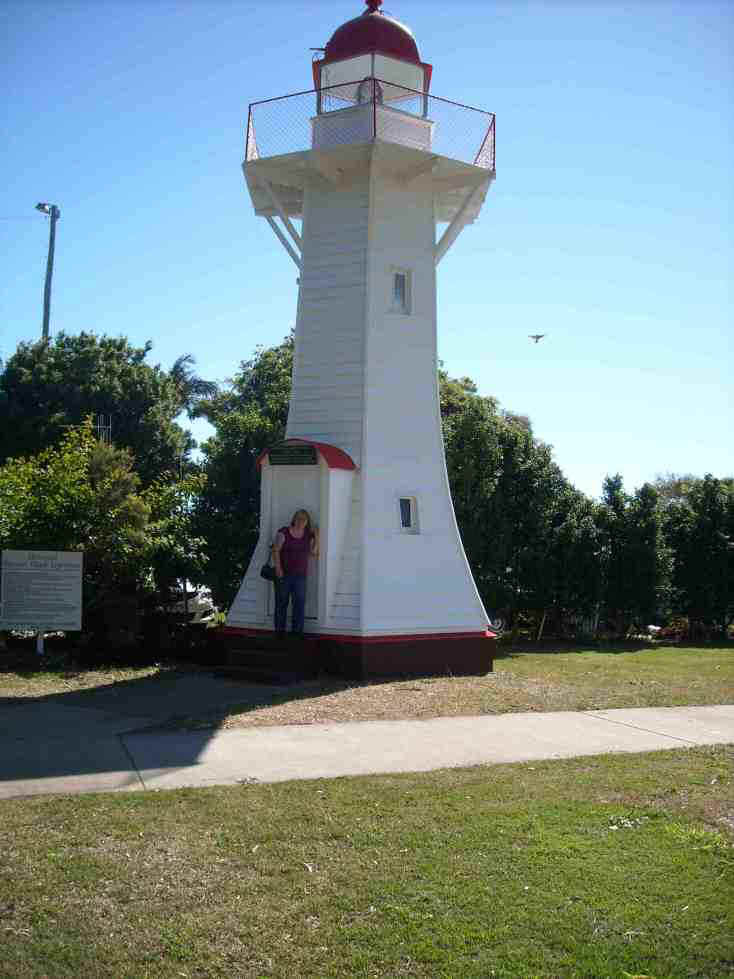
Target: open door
<point>297,488</point>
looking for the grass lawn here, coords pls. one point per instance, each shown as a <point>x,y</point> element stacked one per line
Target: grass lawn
<point>613,866</point>
<point>581,678</point>
<point>42,681</point>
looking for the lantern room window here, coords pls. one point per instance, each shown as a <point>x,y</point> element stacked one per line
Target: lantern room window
<point>347,75</point>
<point>369,89</point>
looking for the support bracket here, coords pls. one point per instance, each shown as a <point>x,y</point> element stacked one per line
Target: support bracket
<point>283,240</point>
<point>278,205</point>
<point>458,223</point>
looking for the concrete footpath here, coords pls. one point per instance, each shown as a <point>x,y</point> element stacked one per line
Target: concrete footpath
<point>63,748</point>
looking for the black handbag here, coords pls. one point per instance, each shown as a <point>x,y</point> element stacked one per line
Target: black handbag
<point>267,571</point>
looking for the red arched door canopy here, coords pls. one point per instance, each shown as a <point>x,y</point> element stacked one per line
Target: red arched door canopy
<point>333,457</point>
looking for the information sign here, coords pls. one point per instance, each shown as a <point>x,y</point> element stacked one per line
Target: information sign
<point>41,590</point>
<point>293,455</point>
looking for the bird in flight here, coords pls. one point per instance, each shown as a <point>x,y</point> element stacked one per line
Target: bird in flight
<point>537,336</point>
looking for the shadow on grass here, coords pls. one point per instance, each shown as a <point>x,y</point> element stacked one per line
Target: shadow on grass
<point>71,734</point>
<point>182,686</point>
<point>181,707</point>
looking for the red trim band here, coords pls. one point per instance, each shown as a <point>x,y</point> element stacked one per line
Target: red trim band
<point>228,630</point>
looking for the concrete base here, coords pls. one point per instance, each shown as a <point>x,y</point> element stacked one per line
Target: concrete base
<point>360,657</point>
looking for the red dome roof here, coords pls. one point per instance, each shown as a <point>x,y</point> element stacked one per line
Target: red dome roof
<point>371,32</point>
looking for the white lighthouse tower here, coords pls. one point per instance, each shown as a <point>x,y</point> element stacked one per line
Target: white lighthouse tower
<point>371,164</point>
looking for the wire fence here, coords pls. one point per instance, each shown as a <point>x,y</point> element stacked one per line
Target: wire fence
<point>371,109</point>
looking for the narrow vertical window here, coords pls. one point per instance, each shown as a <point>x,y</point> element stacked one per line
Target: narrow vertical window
<point>400,290</point>
<point>400,300</point>
<point>408,514</point>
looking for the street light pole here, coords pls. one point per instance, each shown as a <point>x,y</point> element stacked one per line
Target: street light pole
<point>54,213</point>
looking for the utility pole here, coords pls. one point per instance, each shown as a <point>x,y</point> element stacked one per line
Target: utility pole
<point>54,213</point>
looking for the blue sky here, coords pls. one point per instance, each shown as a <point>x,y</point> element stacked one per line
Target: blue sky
<point>610,227</point>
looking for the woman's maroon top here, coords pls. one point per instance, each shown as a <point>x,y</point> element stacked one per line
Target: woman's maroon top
<point>295,551</point>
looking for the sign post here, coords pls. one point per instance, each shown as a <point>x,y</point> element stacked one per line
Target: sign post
<point>41,591</point>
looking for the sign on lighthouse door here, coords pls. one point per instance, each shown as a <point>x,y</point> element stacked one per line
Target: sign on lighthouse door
<point>297,488</point>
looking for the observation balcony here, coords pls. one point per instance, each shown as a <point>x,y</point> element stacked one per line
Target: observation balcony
<point>330,133</point>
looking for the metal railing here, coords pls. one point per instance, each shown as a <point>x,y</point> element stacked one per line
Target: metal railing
<point>367,110</point>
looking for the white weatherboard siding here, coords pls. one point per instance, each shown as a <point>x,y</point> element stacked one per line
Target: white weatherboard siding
<point>328,372</point>
<point>412,583</point>
<point>346,599</point>
<point>365,381</point>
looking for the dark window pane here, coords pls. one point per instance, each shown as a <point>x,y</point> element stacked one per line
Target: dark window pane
<point>400,291</point>
<point>406,517</point>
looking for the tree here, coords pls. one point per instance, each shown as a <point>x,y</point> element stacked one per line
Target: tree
<point>84,495</point>
<point>531,502</point>
<point>78,495</point>
<point>650,558</point>
<point>248,415</point>
<point>612,519</point>
<point>576,562</point>
<point>674,487</point>
<point>700,531</point>
<point>638,562</point>
<point>47,387</point>
<point>174,551</point>
<point>471,431</point>
<point>522,524</point>
<point>191,388</point>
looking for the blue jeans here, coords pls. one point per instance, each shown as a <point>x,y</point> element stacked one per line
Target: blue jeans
<point>290,586</point>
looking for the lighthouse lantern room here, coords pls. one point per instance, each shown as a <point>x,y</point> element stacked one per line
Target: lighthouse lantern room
<point>371,164</point>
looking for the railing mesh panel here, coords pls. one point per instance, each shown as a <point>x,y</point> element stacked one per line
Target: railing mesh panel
<point>367,110</point>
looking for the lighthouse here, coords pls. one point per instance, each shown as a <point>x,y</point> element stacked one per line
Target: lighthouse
<point>367,180</point>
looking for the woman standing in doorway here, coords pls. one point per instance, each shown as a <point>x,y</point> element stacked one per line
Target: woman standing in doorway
<point>292,548</point>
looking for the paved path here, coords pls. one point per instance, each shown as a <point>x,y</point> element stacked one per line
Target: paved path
<point>54,748</point>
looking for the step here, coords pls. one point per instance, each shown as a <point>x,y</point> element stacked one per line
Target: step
<point>269,659</point>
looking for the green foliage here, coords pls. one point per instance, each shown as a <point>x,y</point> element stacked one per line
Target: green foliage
<point>699,526</point>
<point>674,487</point>
<point>607,866</point>
<point>536,545</point>
<point>174,551</point>
<point>650,558</point>
<point>43,499</point>
<point>46,387</point>
<point>249,415</point>
<point>638,561</point>
<point>85,495</point>
<point>529,536</point>
<point>79,495</point>
<point>190,387</point>
<point>538,548</point>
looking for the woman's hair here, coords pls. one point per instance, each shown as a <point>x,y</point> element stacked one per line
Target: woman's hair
<point>302,513</point>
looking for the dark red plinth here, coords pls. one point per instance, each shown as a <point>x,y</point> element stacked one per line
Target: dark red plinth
<point>359,657</point>
<point>435,656</point>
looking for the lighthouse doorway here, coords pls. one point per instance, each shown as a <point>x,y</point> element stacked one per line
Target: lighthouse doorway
<point>297,488</point>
